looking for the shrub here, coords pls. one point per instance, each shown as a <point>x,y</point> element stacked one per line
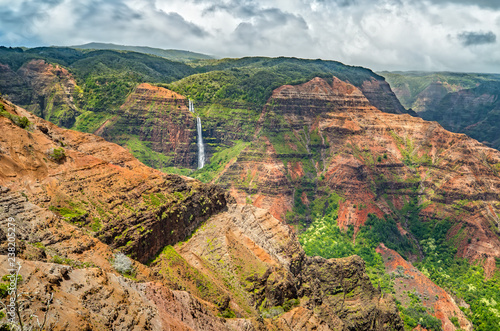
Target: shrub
<point>21,122</point>
<point>455,322</point>
<point>57,154</point>
<point>4,289</point>
<point>122,263</point>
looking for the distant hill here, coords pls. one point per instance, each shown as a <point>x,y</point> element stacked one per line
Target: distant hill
<point>461,102</point>
<point>419,90</point>
<point>170,54</point>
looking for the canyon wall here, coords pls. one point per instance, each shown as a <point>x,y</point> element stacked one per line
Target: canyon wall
<point>200,261</point>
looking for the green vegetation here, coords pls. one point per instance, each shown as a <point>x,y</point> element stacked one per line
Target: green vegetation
<point>219,160</point>
<point>177,171</point>
<point>21,122</point>
<point>89,121</point>
<point>143,152</point>
<point>182,275</point>
<point>457,276</point>
<point>4,290</point>
<point>416,314</point>
<point>96,224</point>
<point>170,54</point>
<point>324,238</point>
<point>104,79</point>
<point>229,95</point>
<point>57,154</point>
<point>252,79</point>
<point>72,213</point>
<point>5,286</point>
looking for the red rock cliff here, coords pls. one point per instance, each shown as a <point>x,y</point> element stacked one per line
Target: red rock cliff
<point>376,160</point>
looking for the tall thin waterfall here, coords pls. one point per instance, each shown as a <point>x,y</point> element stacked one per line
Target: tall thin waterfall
<point>201,148</point>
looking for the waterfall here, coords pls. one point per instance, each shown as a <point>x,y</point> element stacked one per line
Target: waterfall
<point>201,148</point>
<point>191,107</point>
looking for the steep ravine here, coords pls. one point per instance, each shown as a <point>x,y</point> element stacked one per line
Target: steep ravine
<point>77,200</point>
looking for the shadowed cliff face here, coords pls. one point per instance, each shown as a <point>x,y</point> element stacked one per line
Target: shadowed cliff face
<point>77,199</point>
<point>47,90</point>
<point>465,103</point>
<point>159,119</point>
<point>474,112</point>
<point>380,95</point>
<point>317,138</point>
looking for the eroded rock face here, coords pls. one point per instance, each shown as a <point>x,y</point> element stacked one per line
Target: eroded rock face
<point>87,293</point>
<point>91,299</point>
<point>431,295</point>
<point>160,118</point>
<point>100,186</point>
<point>261,259</point>
<point>47,90</point>
<point>77,206</point>
<point>376,160</point>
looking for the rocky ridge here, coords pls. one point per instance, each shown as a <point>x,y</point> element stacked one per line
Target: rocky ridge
<point>78,199</point>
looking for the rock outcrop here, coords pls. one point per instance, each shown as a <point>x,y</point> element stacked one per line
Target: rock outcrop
<point>259,259</point>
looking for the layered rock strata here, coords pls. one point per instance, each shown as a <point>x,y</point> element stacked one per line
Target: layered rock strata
<point>77,200</point>
<point>318,138</point>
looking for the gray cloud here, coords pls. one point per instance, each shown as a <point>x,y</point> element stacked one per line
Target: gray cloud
<point>341,3</point>
<point>379,34</point>
<point>89,13</point>
<point>18,23</point>
<point>470,38</point>
<point>480,3</point>
<point>239,8</point>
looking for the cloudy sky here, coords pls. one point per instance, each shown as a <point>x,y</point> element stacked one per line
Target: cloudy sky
<point>455,35</point>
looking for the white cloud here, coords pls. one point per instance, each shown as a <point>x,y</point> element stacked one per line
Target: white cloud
<point>457,35</point>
